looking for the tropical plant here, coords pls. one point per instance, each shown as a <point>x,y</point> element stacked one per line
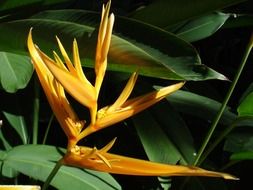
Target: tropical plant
<point>164,41</point>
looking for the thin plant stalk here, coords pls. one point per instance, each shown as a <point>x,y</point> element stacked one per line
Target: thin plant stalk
<point>47,129</point>
<point>52,174</point>
<point>220,138</point>
<point>36,107</point>
<point>224,103</point>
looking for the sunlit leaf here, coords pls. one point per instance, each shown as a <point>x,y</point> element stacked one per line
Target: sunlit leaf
<point>242,156</point>
<point>4,141</point>
<point>38,160</point>
<point>6,170</point>
<point>246,107</point>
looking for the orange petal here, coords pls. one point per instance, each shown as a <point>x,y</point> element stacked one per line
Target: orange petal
<point>54,92</point>
<point>124,94</point>
<point>82,92</point>
<point>103,44</point>
<point>131,166</point>
<point>134,106</point>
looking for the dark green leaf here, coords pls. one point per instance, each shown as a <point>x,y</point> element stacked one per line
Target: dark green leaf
<point>163,13</point>
<point>243,121</point>
<point>239,20</point>
<point>173,59</point>
<point>152,136</point>
<point>6,5</point>
<point>239,141</point>
<point>38,160</point>
<point>176,130</point>
<point>15,71</point>
<point>199,28</point>
<point>203,107</point>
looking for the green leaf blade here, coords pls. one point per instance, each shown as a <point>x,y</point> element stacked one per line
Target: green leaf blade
<point>37,161</point>
<point>175,59</point>
<point>246,107</point>
<point>163,13</point>
<point>247,155</point>
<point>18,123</point>
<point>204,107</point>
<point>15,71</point>
<point>201,27</point>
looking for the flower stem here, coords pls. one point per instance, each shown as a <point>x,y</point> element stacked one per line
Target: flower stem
<point>52,174</point>
<point>36,106</point>
<point>47,130</point>
<point>224,103</point>
<point>221,137</point>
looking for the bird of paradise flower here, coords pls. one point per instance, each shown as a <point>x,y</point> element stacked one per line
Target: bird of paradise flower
<point>57,76</point>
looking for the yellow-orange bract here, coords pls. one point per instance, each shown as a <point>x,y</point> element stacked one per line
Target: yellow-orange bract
<point>56,76</point>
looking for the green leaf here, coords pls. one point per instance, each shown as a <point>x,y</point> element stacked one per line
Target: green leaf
<point>18,123</point>
<point>6,144</point>
<point>164,13</point>
<point>13,5</point>
<point>239,141</point>
<point>10,5</point>
<point>239,20</point>
<point>199,28</point>
<point>38,160</point>
<point>203,107</point>
<point>15,71</point>
<point>243,121</point>
<point>174,59</point>
<point>247,155</point>
<point>152,137</point>
<point>176,130</point>
<point>6,170</point>
<point>246,107</point>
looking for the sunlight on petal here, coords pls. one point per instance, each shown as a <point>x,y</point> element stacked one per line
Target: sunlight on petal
<point>103,44</point>
<point>124,94</point>
<point>131,166</point>
<point>134,106</point>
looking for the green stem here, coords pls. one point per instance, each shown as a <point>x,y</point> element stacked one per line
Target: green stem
<point>36,106</point>
<point>221,137</point>
<point>229,164</point>
<point>47,130</point>
<point>215,143</point>
<point>224,103</point>
<point>52,174</point>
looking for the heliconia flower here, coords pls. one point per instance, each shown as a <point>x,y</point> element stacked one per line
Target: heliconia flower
<point>100,160</point>
<point>123,108</point>
<point>56,76</point>
<point>55,94</point>
<point>103,44</point>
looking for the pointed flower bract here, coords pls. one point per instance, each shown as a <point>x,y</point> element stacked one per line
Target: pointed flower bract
<point>56,76</point>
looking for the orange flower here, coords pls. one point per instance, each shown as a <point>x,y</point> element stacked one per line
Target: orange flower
<point>100,160</point>
<point>55,77</point>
